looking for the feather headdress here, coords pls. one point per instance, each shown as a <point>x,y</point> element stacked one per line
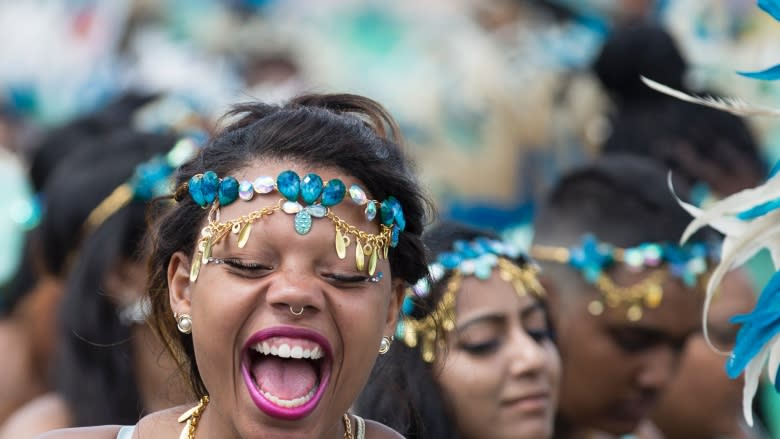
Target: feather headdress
<point>750,222</point>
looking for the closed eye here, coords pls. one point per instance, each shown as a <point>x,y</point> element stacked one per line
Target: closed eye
<point>243,267</point>
<point>346,278</point>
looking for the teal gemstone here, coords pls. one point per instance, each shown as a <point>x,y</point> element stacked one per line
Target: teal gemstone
<point>311,188</point>
<point>228,191</point>
<point>386,212</point>
<point>398,212</point>
<point>204,188</point>
<point>371,211</point>
<point>317,210</point>
<point>209,186</point>
<point>289,184</point>
<point>302,222</point>
<point>394,237</point>
<point>194,187</point>
<point>333,193</point>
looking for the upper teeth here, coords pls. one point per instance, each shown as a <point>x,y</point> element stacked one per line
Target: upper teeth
<point>285,351</point>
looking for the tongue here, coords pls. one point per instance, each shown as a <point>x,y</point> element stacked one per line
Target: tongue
<point>284,378</point>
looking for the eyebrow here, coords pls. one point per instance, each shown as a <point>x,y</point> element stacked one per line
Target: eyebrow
<point>499,318</point>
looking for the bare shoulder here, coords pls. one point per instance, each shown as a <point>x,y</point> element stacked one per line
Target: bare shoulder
<point>375,430</point>
<point>102,432</point>
<point>164,423</point>
<point>44,413</point>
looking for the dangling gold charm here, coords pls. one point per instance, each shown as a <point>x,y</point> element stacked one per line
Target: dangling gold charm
<point>207,251</point>
<point>243,235</point>
<point>195,268</point>
<point>341,249</point>
<point>372,261</point>
<point>360,258</point>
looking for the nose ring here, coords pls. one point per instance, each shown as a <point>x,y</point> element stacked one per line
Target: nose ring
<point>299,312</point>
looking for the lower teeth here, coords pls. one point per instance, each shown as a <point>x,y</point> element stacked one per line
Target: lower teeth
<point>291,403</point>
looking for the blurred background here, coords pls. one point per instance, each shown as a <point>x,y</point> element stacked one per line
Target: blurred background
<point>502,89</point>
<point>495,98</point>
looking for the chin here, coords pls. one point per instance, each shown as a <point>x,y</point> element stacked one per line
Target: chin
<point>618,426</point>
<point>541,429</point>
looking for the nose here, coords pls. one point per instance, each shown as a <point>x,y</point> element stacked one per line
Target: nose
<point>295,293</point>
<point>658,368</point>
<point>527,356</point>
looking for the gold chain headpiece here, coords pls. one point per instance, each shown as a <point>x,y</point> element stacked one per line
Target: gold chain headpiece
<point>689,263</point>
<point>477,258</point>
<point>305,198</point>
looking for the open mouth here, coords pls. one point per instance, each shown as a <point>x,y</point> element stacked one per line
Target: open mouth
<point>286,371</point>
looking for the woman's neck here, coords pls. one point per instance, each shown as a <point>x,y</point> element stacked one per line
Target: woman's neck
<point>213,424</point>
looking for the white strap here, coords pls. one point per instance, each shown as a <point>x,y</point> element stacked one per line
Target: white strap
<point>360,427</point>
<point>126,432</point>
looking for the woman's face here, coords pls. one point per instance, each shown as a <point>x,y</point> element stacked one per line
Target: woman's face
<point>249,343</point>
<point>501,372</point>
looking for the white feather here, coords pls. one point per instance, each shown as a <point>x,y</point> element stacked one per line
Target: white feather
<point>774,359</point>
<point>742,238</point>
<point>752,376</point>
<point>732,105</point>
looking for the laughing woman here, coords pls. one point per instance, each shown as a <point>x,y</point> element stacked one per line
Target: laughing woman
<point>280,270</point>
<point>476,357</point>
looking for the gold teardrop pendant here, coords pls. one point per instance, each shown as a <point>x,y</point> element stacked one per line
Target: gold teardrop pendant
<point>207,251</point>
<point>372,262</point>
<point>195,268</point>
<point>243,235</point>
<point>341,248</point>
<point>360,258</point>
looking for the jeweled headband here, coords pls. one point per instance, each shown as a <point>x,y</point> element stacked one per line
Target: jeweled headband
<point>592,258</point>
<point>150,179</point>
<point>307,198</point>
<point>475,258</point>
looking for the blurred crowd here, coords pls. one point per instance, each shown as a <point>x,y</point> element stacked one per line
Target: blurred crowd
<point>496,100</point>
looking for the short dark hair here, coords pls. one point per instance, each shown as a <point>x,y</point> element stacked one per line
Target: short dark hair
<point>350,133</point>
<point>621,199</point>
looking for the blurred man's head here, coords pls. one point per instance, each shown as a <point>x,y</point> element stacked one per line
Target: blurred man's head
<point>621,331</point>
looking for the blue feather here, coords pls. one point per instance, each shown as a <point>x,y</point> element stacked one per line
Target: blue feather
<point>771,7</point>
<point>760,210</point>
<point>757,328</point>
<point>770,74</point>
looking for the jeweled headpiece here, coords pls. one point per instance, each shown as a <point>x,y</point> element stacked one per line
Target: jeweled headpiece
<point>592,258</point>
<point>150,179</point>
<point>307,198</point>
<point>420,326</point>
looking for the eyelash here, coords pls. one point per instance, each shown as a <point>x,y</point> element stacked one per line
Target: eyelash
<point>487,348</point>
<point>245,266</point>
<point>241,265</point>
<point>481,349</point>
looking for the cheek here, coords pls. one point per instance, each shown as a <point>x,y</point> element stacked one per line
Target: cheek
<point>470,383</point>
<point>360,320</point>
<point>553,366</point>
